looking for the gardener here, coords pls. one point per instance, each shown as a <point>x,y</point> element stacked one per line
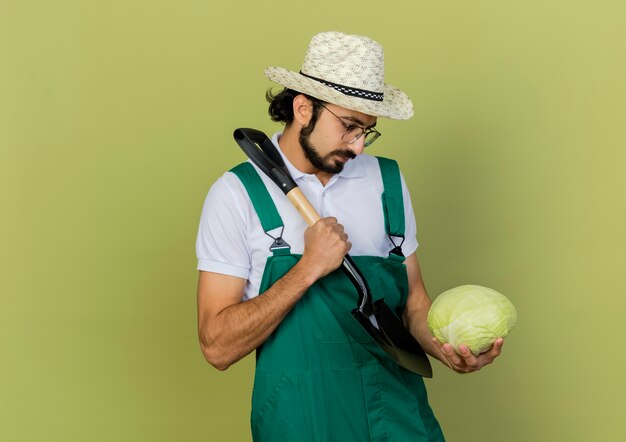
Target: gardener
<point>268,283</point>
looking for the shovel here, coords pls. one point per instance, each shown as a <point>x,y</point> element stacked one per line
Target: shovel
<point>378,320</point>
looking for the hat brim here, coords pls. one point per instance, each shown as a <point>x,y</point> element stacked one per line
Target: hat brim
<point>396,105</point>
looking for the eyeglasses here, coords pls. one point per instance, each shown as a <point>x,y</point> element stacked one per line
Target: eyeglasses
<point>354,132</point>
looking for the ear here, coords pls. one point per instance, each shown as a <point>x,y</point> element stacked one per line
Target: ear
<point>302,110</point>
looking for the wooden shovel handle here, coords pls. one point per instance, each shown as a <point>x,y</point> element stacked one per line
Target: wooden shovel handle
<point>303,205</point>
<point>311,216</point>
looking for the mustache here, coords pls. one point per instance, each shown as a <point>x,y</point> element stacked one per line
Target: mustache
<point>344,153</point>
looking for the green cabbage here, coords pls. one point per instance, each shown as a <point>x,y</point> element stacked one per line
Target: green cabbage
<point>471,315</point>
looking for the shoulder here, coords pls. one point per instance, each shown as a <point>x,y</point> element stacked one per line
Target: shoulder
<point>227,186</point>
<point>227,195</point>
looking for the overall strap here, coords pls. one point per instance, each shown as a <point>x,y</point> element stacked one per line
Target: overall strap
<point>262,202</point>
<point>393,203</point>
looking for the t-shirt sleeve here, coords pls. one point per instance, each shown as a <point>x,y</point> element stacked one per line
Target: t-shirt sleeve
<point>221,241</point>
<point>410,244</point>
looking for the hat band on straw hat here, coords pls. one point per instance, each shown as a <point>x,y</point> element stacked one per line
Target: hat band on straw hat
<point>351,91</point>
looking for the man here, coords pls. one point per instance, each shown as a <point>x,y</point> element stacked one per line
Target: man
<point>318,377</point>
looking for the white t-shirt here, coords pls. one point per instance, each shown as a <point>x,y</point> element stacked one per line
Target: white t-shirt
<point>231,240</point>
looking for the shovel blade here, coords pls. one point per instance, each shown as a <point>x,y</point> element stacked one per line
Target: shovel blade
<point>408,351</point>
<point>394,339</point>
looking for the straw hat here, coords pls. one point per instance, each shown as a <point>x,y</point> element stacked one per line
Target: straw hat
<point>349,71</point>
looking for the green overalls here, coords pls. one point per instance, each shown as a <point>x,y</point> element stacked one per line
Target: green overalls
<point>319,376</point>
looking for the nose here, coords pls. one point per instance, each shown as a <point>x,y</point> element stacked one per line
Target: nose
<point>358,146</point>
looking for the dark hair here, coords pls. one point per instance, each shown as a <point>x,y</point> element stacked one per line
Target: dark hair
<point>281,107</point>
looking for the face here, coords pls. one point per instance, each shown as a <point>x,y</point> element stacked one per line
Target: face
<point>323,145</point>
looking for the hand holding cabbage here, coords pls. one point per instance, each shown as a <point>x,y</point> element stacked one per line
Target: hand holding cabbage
<point>468,323</point>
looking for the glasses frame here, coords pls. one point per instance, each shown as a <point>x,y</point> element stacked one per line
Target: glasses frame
<point>350,127</point>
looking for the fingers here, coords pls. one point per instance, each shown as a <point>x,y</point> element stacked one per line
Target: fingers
<point>325,245</point>
<point>471,362</point>
<point>336,229</point>
<point>497,346</point>
<point>464,361</point>
<point>495,350</point>
<point>451,358</point>
<point>329,221</point>
<point>454,358</point>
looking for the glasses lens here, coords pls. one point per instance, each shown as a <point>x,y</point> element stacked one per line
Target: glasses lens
<point>352,134</point>
<point>370,138</point>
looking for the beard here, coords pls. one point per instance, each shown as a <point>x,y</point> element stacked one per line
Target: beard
<point>323,163</point>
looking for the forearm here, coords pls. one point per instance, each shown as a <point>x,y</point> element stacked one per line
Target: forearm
<point>415,318</point>
<point>240,328</point>
<point>230,329</point>
<point>416,310</point>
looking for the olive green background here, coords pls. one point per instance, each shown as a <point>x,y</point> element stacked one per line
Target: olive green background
<point>116,117</point>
